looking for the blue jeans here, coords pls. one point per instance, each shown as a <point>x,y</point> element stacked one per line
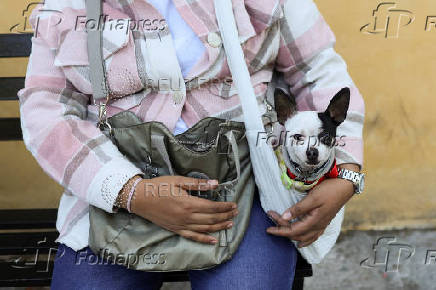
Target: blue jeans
<point>262,261</point>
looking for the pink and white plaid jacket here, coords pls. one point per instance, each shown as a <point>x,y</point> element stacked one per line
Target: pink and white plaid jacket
<point>59,117</point>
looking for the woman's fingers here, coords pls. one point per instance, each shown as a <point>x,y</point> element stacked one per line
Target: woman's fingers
<point>202,205</point>
<point>309,240</point>
<point>177,185</point>
<point>279,231</point>
<point>286,231</point>
<point>211,219</point>
<point>301,208</point>
<point>171,207</point>
<point>189,183</point>
<point>278,219</point>
<point>305,226</point>
<point>306,237</point>
<point>198,237</point>
<point>210,228</point>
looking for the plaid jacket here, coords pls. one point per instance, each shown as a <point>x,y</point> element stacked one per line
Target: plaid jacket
<point>59,117</point>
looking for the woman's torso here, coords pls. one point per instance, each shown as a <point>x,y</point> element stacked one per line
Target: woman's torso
<point>143,70</point>
<point>148,73</point>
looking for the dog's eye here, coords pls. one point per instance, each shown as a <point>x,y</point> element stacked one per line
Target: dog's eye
<point>298,137</point>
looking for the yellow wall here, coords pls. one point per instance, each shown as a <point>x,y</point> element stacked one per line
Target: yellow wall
<point>395,76</point>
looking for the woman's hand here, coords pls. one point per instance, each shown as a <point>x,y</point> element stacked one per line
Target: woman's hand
<point>165,202</point>
<point>316,211</point>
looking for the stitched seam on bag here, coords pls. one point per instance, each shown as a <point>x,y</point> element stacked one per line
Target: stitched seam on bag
<point>119,233</point>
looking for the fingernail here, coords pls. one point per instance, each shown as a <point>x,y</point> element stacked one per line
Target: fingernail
<point>234,206</point>
<point>213,241</point>
<point>236,213</point>
<point>230,225</point>
<point>287,215</point>
<point>212,182</point>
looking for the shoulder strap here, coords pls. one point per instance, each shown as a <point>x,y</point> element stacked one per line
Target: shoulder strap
<point>95,53</point>
<point>273,195</point>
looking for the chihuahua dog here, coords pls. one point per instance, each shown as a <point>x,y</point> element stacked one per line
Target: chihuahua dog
<point>307,154</point>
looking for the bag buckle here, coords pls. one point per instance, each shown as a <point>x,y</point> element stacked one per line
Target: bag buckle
<point>102,115</point>
<point>153,171</point>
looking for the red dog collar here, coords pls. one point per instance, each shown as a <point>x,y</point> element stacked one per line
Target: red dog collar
<point>332,173</point>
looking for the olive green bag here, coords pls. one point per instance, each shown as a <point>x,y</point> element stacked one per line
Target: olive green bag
<point>212,149</point>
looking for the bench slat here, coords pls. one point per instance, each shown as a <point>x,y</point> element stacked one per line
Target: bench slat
<point>27,243</point>
<point>15,45</point>
<point>10,129</point>
<point>10,87</point>
<point>35,276</point>
<point>28,218</point>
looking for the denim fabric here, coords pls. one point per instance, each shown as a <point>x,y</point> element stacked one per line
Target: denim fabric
<point>262,261</point>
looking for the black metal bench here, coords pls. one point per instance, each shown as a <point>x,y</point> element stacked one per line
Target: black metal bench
<point>27,246</point>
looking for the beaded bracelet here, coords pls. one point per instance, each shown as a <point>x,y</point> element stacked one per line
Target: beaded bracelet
<point>122,198</point>
<point>132,191</point>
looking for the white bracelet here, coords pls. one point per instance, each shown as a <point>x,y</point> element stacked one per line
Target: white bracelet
<point>132,191</point>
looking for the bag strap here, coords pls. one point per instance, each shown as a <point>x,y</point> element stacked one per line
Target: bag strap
<point>97,69</point>
<point>273,195</point>
<point>95,51</point>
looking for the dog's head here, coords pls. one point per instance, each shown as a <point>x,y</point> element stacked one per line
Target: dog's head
<point>311,136</point>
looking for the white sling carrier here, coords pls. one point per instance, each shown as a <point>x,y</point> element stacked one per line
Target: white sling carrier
<point>273,194</point>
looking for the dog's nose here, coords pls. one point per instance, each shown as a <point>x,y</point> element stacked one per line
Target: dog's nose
<point>312,154</point>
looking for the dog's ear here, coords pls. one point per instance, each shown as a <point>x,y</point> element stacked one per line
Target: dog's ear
<point>338,107</point>
<point>285,105</point>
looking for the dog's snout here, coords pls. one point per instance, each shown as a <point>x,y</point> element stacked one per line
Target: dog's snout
<point>312,154</point>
